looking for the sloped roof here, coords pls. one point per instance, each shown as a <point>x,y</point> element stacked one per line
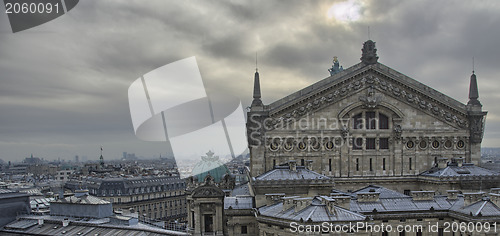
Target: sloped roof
<point>398,204</point>
<point>483,208</point>
<point>315,212</point>
<point>53,226</point>
<point>241,190</point>
<point>456,171</point>
<point>239,202</point>
<point>384,192</point>
<point>7,193</point>
<point>85,199</point>
<point>284,173</point>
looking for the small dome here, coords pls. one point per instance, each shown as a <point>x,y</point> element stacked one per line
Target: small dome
<point>210,164</point>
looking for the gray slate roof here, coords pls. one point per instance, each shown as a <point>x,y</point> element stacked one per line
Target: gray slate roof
<point>85,199</point>
<point>239,202</point>
<point>7,193</point>
<point>315,212</point>
<point>384,192</point>
<point>241,190</point>
<point>456,171</point>
<point>50,227</point>
<point>404,204</point>
<point>483,208</point>
<point>284,173</point>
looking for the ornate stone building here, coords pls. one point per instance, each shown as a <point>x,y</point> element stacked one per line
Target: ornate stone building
<point>367,146</point>
<point>365,124</point>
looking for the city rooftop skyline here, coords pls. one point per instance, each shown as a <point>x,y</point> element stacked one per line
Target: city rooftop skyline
<point>64,83</point>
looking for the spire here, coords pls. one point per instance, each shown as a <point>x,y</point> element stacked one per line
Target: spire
<point>101,158</point>
<point>256,90</point>
<point>473,91</point>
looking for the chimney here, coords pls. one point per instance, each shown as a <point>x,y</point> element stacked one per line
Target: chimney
<point>301,203</point>
<point>422,195</point>
<point>368,197</point>
<point>452,194</point>
<point>458,160</point>
<point>293,165</point>
<point>343,201</point>
<point>309,164</point>
<point>81,192</point>
<point>329,203</point>
<point>273,198</point>
<point>442,162</point>
<point>470,198</point>
<point>40,222</point>
<point>495,198</point>
<point>65,222</point>
<point>288,202</point>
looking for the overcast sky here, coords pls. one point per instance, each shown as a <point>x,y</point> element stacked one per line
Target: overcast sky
<point>63,84</point>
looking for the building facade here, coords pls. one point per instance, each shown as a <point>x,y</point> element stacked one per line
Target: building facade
<point>367,122</point>
<point>152,197</point>
<point>367,146</point>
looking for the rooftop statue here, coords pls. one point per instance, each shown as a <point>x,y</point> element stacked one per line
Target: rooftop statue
<point>336,68</point>
<point>369,53</point>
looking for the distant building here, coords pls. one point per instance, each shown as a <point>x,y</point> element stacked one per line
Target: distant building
<point>81,205</point>
<point>82,214</point>
<point>64,175</point>
<point>152,197</point>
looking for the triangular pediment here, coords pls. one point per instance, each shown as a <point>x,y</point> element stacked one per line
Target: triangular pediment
<point>355,80</point>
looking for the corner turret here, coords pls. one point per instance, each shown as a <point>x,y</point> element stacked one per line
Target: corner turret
<point>257,102</point>
<point>477,119</point>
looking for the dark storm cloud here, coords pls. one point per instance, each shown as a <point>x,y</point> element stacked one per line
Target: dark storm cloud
<point>64,84</point>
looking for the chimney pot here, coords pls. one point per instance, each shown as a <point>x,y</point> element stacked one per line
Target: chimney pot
<point>293,165</point>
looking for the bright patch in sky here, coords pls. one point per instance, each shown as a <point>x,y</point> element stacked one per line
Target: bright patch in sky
<point>345,11</point>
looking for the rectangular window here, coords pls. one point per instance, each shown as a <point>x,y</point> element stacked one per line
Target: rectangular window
<point>357,143</point>
<point>410,163</point>
<point>274,163</point>
<point>330,165</point>
<point>370,143</point>
<point>383,164</point>
<point>383,143</point>
<point>357,164</point>
<point>244,229</point>
<point>302,163</point>
<point>371,121</point>
<point>357,121</point>
<point>383,122</point>
<point>371,164</point>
